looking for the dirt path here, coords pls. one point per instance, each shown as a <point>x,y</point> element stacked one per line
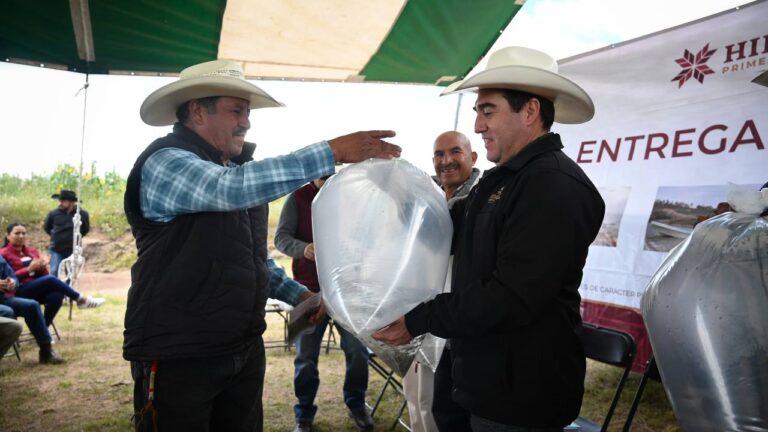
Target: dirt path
<point>105,283</point>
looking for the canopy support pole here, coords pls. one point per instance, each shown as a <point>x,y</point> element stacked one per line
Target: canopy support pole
<point>81,24</point>
<point>456,117</point>
<point>72,266</point>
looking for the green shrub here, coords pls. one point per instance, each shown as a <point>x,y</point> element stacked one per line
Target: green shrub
<point>29,200</point>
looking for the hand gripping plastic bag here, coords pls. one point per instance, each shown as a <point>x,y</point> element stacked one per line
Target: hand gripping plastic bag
<point>432,347</point>
<point>706,313</point>
<point>382,236</point>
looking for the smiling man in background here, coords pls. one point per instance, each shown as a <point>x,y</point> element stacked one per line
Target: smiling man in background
<point>430,406</point>
<point>454,162</point>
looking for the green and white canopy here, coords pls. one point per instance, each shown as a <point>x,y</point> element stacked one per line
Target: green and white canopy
<point>416,41</point>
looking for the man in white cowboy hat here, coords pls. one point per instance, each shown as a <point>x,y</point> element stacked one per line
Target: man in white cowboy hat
<point>59,225</point>
<point>197,206</point>
<point>521,240</point>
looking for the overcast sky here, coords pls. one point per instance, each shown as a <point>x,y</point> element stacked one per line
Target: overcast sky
<point>42,111</point>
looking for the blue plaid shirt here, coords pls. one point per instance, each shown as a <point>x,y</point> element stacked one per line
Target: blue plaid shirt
<point>176,182</point>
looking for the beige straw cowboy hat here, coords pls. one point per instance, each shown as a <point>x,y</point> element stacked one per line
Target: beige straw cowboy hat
<point>532,71</point>
<point>213,78</point>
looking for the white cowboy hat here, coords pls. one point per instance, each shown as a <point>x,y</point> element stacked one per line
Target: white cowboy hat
<point>532,71</point>
<point>213,78</point>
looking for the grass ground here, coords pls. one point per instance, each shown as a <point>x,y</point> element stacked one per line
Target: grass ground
<point>92,391</point>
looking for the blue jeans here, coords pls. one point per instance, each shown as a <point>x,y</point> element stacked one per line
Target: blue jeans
<point>47,290</point>
<point>7,312</point>
<point>33,315</point>
<point>56,259</point>
<point>306,378</point>
<point>480,424</point>
<point>203,394</point>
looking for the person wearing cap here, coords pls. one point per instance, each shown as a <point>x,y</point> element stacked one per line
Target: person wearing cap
<point>520,243</point>
<point>197,205</point>
<point>59,225</point>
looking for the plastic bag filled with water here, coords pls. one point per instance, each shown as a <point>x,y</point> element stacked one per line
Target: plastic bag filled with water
<point>382,236</point>
<point>706,310</point>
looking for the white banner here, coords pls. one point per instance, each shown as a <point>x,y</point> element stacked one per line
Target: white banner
<point>677,119</point>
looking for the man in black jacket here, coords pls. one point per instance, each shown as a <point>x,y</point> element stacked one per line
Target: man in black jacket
<point>520,243</point>
<point>59,225</point>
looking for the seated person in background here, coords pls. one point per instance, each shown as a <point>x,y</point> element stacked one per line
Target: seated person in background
<point>294,238</point>
<point>10,329</point>
<point>27,308</point>
<point>32,272</point>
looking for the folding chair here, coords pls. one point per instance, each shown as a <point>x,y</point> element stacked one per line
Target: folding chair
<point>399,419</point>
<point>612,347</point>
<point>16,347</point>
<point>390,379</point>
<point>652,372</point>
<point>331,336</point>
<point>281,309</point>
<point>68,300</point>
<point>27,336</point>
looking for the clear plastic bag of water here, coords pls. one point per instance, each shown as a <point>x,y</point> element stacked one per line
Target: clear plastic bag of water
<point>382,234</point>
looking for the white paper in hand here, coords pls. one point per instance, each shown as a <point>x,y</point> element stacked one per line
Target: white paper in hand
<point>382,236</point>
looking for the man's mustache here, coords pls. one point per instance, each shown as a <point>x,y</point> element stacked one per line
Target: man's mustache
<point>240,132</point>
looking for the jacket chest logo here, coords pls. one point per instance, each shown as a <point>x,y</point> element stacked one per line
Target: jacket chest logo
<point>495,196</point>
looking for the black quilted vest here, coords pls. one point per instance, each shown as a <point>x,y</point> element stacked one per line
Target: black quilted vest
<point>200,284</point>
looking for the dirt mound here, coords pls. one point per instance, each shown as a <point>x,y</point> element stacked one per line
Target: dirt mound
<point>102,254</point>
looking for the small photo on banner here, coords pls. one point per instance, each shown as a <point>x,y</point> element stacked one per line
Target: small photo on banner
<point>615,203</point>
<point>678,209</point>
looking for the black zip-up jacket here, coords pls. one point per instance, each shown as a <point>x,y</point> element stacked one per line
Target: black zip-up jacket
<point>200,284</point>
<point>520,242</point>
<point>58,224</point>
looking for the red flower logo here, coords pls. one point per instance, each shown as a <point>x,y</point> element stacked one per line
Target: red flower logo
<point>694,66</point>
